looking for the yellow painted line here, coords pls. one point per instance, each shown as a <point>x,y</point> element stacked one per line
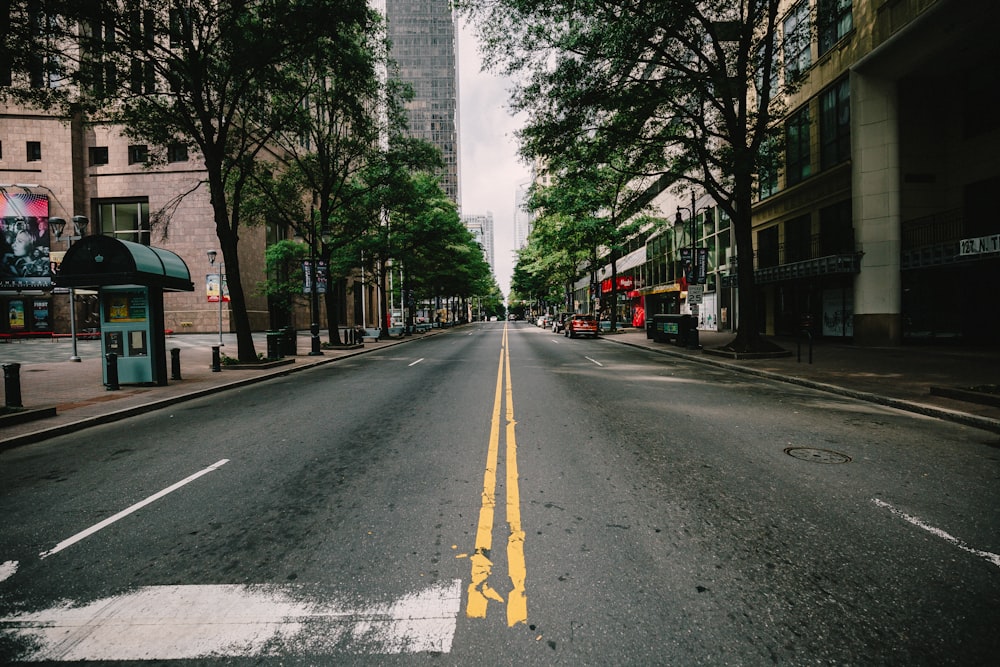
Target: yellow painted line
<point>480,592</point>
<point>517,601</point>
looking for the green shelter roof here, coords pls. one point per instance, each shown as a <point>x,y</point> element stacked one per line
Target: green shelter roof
<point>96,261</point>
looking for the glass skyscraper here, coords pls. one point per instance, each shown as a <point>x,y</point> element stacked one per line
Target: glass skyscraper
<point>423,46</point>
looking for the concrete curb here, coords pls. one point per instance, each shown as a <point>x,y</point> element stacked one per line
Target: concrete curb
<point>963,418</point>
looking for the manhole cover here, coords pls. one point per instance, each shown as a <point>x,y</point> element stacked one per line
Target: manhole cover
<point>817,455</point>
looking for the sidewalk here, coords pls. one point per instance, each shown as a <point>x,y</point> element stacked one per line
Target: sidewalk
<point>899,377</point>
<point>76,389</point>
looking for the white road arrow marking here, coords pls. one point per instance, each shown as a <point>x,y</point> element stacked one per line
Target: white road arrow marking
<point>198,622</point>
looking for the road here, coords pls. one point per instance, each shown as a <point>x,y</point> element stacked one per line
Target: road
<point>501,495</point>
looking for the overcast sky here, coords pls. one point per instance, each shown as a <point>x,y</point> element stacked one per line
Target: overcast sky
<point>490,168</point>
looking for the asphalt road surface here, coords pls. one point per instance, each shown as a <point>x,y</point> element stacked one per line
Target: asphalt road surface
<point>500,495</point>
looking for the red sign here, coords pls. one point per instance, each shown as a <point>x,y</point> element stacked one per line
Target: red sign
<point>625,283</point>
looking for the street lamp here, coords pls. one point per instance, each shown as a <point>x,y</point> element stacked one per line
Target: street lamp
<point>212,254</point>
<point>693,333</point>
<point>58,225</point>
<point>324,235</point>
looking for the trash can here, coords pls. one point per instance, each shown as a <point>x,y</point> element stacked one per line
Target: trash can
<point>672,328</point>
<point>290,342</point>
<point>274,344</point>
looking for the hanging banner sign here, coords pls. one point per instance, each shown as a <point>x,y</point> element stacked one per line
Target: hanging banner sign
<point>212,281</point>
<point>308,273</point>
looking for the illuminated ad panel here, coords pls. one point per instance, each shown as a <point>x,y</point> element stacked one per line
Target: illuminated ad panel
<point>24,241</point>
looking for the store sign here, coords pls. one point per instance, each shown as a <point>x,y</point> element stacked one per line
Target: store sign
<point>625,283</point>
<point>980,246</point>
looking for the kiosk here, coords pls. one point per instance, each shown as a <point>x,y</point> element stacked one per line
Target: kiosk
<point>130,279</point>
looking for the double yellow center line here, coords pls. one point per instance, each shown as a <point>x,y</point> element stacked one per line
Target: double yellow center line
<point>480,591</point>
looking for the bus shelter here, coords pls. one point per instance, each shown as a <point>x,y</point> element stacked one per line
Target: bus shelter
<point>130,279</point>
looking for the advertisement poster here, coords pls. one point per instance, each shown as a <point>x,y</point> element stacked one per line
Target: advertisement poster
<point>212,288</point>
<point>15,315</point>
<point>125,307</point>
<point>41,315</point>
<point>24,241</point>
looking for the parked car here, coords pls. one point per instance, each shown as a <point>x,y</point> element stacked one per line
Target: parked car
<point>559,322</point>
<point>581,325</point>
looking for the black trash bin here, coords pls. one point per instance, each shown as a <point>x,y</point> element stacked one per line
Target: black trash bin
<point>275,348</point>
<point>290,339</point>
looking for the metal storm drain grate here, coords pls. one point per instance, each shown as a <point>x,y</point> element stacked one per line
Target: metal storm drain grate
<point>817,455</point>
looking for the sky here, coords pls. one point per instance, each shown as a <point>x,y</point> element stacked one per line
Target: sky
<point>490,169</point>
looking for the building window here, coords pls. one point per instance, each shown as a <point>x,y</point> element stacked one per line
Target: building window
<point>181,28</point>
<point>141,32</point>
<point>835,124</point>
<point>127,220</point>
<point>797,147</point>
<point>836,232</point>
<point>768,168</point>
<point>798,239</point>
<point>98,155</point>
<point>177,153</point>
<point>767,247</point>
<point>798,39</point>
<point>138,154</point>
<point>34,151</point>
<point>835,20</point>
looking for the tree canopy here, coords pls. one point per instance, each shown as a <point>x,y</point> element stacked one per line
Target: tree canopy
<point>685,88</point>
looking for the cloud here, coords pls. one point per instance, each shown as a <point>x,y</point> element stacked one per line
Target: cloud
<point>490,169</point>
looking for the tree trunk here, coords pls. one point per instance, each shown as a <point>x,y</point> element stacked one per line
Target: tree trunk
<point>332,304</point>
<point>383,302</point>
<point>237,297</point>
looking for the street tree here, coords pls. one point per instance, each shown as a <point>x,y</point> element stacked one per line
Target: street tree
<point>688,85</point>
<point>333,154</point>
<point>602,204</point>
<point>215,76</point>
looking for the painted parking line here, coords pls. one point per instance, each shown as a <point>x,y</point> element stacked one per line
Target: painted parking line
<point>235,621</point>
<point>594,360</point>
<point>417,361</point>
<point>134,508</point>
<point>480,592</point>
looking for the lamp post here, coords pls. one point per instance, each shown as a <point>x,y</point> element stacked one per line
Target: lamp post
<point>321,237</point>
<point>693,333</point>
<point>212,254</point>
<point>80,223</point>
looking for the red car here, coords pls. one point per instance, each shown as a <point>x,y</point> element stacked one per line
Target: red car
<point>581,325</point>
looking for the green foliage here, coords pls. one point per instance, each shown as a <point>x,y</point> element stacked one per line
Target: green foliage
<point>673,90</point>
<point>285,277</point>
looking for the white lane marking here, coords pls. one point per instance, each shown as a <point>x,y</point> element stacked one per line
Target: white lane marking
<point>990,557</point>
<point>417,361</point>
<point>594,360</point>
<point>201,622</point>
<point>124,513</point>
<point>7,569</point>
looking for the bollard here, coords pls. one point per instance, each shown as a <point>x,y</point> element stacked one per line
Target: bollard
<point>175,363</point>
<point>805,333</point>
<point>216,359</point>
<point>12,385</point>
<point>111,367</point>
